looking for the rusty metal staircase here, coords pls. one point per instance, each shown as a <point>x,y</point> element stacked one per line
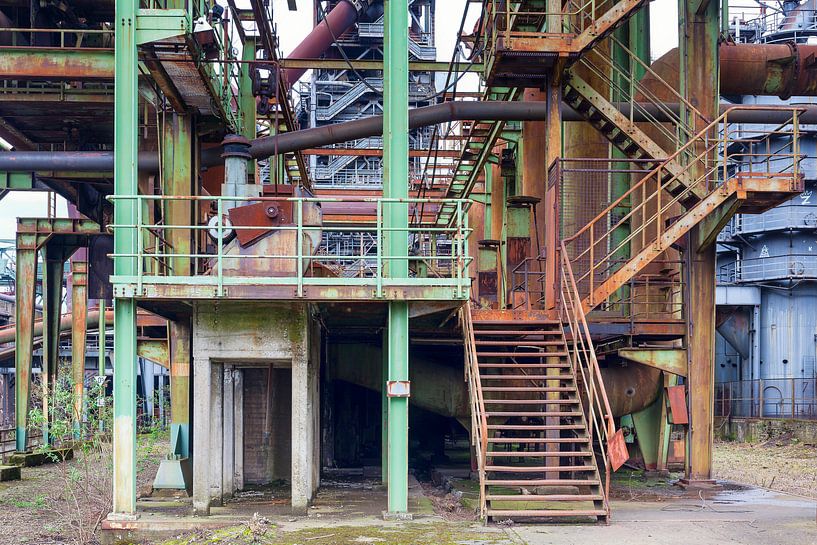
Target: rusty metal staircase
<point>523,38</point>
<point>726,168</point>
<point>533,428</point>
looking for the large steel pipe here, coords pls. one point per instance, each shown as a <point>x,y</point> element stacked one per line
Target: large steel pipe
<point>102,161</point>
<point>336,22</point>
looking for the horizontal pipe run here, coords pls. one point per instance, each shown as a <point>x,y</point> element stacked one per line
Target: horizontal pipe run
<point>102,161</point>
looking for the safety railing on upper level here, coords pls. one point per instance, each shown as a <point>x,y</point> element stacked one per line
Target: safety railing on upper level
<point>582,355</point>
<point>277,243</point>
<point>63,38</point>
<point>786,267</point>
<point>479,419</point>
<point>656,201</point>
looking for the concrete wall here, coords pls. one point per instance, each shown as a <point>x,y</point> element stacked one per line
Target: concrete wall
<point>232,341</point>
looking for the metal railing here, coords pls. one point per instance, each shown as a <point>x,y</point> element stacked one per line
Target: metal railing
<point>582,356</point>
<point>63,38</point>
<point>794,398</point>
<point>780,218</point>
<point>659,199</point>
<point>292,259</point>
<point>777,267</point>
<point>479,418</point>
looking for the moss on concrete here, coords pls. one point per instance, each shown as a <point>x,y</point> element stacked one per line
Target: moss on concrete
<point>439,533</point>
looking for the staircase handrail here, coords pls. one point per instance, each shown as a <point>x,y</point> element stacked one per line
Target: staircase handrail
<point>479,420</point>
<point>703,146</point>
<point>583,360</point>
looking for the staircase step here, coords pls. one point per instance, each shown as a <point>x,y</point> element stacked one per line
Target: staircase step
<point>511,321</point>
<point>536,427</point>
<point>537,469</point>
<point>542,482</point>
<point>549,332</point>
<point>544,497</point>
<point>546,513</point>
<point>526,377</point>
<point>533,413</point>
<point>529,389</point>
<point>519,343</point>
<point>521,366</point>
<point>536,440</point>
<point>537,355</point>
<point>539,454</point>
<point>531,401</point>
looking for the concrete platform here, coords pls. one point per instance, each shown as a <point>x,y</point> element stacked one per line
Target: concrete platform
<point>350,511</point>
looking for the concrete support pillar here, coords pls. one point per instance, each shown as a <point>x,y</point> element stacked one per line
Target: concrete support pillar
<point>26,277</point>
<point>202,387</point>
<point>216,420</point>
<point>228,425</point>
<point>79,329</point>
<point>238,429</point>
<point>304,409</point>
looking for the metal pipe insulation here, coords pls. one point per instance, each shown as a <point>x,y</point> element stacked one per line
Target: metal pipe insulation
<point>102,161</point>
<point>336,22</point>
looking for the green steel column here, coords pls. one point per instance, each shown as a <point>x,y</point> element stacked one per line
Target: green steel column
<point>25,279</point>
<point>247,100</point>
<point>395,186</point>
<point>126,136</point>
<point>53,269</point>
<point>384,409</point>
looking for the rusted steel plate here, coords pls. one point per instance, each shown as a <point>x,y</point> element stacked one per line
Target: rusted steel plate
<point>617,450</point>
<point>265,216</point>
<point>678,404</point>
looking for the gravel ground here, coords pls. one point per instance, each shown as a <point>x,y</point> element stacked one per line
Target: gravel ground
<point>782,464</point>
<point>27,507</point>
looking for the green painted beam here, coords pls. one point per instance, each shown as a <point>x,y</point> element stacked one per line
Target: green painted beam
<point>56,63</point>
<point>671,360</point>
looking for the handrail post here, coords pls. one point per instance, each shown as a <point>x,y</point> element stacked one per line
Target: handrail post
<point>219,245</point>
<point>139,245</point>
<point>299,242</point>
<point>379,228</point>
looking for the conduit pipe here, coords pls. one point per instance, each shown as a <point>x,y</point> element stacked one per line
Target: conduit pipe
<point>7,333</point>
<point>102,161</point>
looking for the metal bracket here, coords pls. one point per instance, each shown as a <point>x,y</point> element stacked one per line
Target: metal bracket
<point>153,25</point>
<point>398,388</point>
<point>16,180</point>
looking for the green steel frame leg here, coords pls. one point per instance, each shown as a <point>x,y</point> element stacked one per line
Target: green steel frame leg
<point>53,267</point>
<point>79,330</point>
<point>26,278</point>
<point>384,410</point>
<point>395,186</point>
<point>398,408</point>
<point>126,136</point>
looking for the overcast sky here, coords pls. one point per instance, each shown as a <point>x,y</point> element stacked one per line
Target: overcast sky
<point>293,26</point>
